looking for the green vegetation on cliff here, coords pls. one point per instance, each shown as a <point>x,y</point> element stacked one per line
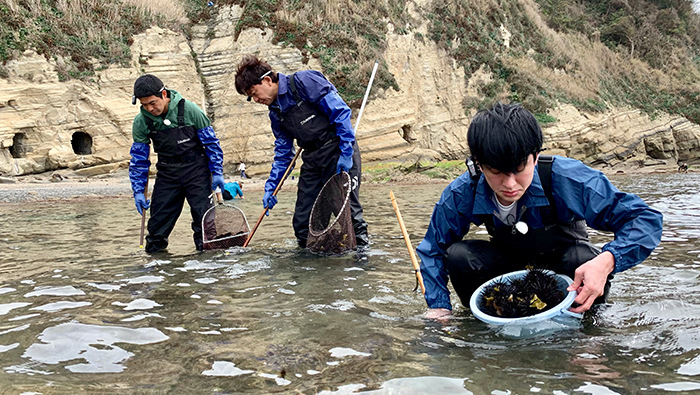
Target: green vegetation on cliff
<point>594,54</point>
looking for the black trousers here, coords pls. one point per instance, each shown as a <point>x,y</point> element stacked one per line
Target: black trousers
<point>175,183</point>
<point>318,167</point>
<point>470,263</point>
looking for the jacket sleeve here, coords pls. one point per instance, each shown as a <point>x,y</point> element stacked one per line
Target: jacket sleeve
<point>284,153</point>
<point>447,226</point>
<point>212,148</point>
<point>138,166</point>
<point>590,195</point>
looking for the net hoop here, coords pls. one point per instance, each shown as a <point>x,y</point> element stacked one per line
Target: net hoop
<point>346,201</point>
<point>237,239</point>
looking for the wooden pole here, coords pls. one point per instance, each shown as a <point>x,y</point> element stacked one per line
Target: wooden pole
<point>284,177</point>
<point>416,267</point>
<point>143,213</point>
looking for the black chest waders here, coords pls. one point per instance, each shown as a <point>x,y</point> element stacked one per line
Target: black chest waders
<point>313,132</point>
<point>183,173</point>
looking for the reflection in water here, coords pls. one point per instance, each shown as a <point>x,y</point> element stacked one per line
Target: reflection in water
<point>77,296</point>
<point>92,343</point>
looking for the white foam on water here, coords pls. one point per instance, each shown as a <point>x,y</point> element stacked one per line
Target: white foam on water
<point>342,352</point>
<point>678,386</point>
<point>175,328</point>
<point>279,380</point>
<point>105,287</point>
<point>58,306</point>
<point>206,280</point>
<point>197,265</point>
<point>6,290</point>
<point>409,385</point>
<point>341,305</point>
<point>7,307</point>
<point>156,263</point>
<point>24,317</point>
<point>8,347</point>
<point>224,368</point>
<point>94,344</point>
<point>66,290</point>
<point>691,368</point>
<point>212,332</point>
<point>145,280</point>
<point>15,329</point>
<point>214,301</point>
<point>286,291</point>
<point>139,317</point>
<point>239,269</point>
<point>138,304</point>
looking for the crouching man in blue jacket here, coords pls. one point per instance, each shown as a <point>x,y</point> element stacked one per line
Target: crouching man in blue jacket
<point>535,209</point>
<point>190,160</point>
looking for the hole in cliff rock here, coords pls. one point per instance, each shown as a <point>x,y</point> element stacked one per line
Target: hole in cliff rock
<point>19,146</point>
<point>82,143</point>
<point>407,134</point>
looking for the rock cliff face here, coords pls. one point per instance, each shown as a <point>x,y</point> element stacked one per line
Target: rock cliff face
<point>47,124</point>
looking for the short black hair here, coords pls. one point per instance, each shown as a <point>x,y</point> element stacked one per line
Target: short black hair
<point>147,85</point>
<point>504,136</point>
<point>250,71</point>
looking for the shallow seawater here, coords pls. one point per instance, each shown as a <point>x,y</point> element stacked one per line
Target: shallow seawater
<point>84,310</point>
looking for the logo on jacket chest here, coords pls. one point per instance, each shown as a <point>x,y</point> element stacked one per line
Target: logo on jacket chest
<point>310,117</point>
<point>183,141</point>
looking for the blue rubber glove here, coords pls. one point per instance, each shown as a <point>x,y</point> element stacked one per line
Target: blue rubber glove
<point>344,163</point>
<point>269,201</point>
<point>141,202</point>
<point>217,182</point>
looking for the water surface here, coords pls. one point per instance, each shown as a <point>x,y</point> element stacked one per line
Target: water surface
<point>83,309</point>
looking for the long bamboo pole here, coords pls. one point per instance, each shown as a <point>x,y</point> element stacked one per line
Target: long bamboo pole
<point>416,267</point>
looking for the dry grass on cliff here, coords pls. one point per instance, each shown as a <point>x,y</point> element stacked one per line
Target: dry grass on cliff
<point>170,9</point>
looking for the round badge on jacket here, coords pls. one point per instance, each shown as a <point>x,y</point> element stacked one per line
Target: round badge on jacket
<point>166,122</point>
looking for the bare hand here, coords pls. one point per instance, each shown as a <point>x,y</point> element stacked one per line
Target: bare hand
<point>589,280</point>
<point>438,314</point>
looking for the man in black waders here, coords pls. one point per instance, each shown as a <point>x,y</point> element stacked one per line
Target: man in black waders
<point>190,160</point>
<point>535,209</point>
<point>305,106</point>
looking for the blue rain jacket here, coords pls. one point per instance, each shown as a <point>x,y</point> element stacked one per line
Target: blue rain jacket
<point>579,191</point>
<point>314,88</point>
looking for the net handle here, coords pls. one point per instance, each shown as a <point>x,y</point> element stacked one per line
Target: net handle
<point>419,277</point>
<point>143,214</point>
<point>284,177</point>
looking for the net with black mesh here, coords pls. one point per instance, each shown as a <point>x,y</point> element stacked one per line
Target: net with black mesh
<point>224,226</point>
<point>330,222</point>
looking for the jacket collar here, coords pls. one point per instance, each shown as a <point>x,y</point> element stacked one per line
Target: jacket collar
<point>534,195</point>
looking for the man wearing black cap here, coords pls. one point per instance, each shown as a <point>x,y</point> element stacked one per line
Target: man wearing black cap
<point>190,160</point>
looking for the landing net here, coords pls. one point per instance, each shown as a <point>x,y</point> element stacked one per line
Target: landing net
<point>224,226</point>
<point>330,222</point>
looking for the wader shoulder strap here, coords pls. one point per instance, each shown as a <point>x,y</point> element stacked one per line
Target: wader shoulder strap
<point>181,112</point>
<point>180,116</point>
<point>544,169</point>
<point>293,88</point>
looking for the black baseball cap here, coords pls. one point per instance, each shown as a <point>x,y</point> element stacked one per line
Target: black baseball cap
<point>147,85</point>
